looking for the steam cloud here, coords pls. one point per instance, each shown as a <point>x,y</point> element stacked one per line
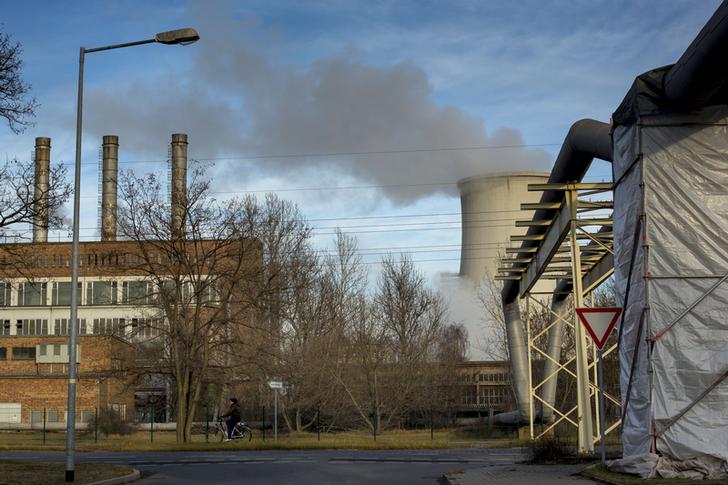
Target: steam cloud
<point>235,101</point>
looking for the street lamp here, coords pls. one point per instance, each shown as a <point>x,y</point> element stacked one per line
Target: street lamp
<point>172,37</point>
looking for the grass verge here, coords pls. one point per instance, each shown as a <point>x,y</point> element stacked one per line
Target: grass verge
<point>601,472</point>
<point>26,473</point>
<point>165,441</point>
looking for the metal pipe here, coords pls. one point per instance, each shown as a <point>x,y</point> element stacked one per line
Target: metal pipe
<point>586,140</point>
<point>555,339</point>
<point>701,72</point>
<point>41,188</point>
<point>179,184</point>
<point>517,350</point>
<point>109,186</point>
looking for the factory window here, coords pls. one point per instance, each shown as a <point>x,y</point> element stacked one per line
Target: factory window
<point>108,326</point>
<point>120,410</point>
<point>32,294</point>
<point>60,327</point>
<point>135,292</point>
<point>87,416</point>
<point>101,293</point>
<point>5,327</point>
<point>61,293</point>
<point>36,416</point>
<point>3,353</point>
<point>53,416</point>
<point>5,294</point>
<point>32,327</point>
<point>23,353</point>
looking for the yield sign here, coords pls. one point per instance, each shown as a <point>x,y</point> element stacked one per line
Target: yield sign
<point>599,322</point>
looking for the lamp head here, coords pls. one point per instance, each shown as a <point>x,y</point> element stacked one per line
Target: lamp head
<point>179,36</point>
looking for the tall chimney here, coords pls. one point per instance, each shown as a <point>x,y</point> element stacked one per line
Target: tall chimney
<point>40,194</point>
<point>179,183</point>
<point>109,176</point>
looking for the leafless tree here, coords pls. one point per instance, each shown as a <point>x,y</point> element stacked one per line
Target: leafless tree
<point>202,284</point>
<point>15,105</point>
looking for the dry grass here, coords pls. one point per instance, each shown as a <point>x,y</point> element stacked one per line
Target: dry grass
<point>24,473</point>
<point>165,441</point>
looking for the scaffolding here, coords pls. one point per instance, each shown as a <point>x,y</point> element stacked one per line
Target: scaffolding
<point>577,240</point>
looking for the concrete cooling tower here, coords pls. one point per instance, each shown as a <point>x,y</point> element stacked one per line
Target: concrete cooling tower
<point>490,205</point>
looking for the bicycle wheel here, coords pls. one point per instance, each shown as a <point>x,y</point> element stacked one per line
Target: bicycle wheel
<point>221,431</point>
<point>246,433</point>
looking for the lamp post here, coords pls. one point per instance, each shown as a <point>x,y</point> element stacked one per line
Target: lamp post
<point>183,37</point>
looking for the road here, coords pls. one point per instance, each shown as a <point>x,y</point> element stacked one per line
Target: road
<point>279,467</point>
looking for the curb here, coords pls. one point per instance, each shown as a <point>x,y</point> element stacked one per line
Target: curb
<point>132,477</point>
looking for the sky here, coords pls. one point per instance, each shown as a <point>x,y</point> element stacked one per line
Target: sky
<point>364,113</point>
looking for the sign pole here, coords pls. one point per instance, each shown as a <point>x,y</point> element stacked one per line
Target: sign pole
<point>275,414</point>
<point>600,393</point>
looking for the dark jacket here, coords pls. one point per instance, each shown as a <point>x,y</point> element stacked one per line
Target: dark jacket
<point>233,412</point>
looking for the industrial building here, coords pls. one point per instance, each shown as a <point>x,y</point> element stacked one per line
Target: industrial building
<point>121,338</point>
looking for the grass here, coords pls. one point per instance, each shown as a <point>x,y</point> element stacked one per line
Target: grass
<point>165,441</point>
<point>18,472</point>
<point>601,472</point>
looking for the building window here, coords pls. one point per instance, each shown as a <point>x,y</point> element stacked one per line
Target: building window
<point>61,293</point>
<point>87,416</point>
<point>23,353</point>
<point>5,294</point>
<point>32,294</point>
<point>120,409</point>
<point>53,416</point>
<point>108,326</point>
<point>5,327</point>
<point>3,353</point>
<point>32,327</point>
<point>36,416</point>
<point>101,293</point>
<point>60,327</point>
<point>135,292</point>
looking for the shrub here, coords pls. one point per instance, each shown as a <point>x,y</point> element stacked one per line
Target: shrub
<point>110,422</point>
<point>550,449</point>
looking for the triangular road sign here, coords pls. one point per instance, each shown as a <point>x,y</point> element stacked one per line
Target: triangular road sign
<point>599,322</point>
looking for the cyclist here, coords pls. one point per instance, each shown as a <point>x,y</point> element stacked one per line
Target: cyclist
<point>233,415</point>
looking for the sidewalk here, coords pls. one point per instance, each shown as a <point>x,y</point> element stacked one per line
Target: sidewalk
<point>521,474</point>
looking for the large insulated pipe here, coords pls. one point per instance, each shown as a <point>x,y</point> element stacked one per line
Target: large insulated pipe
<point>109,185</point>
<point>41,188</point>
<point>701,72</point>
<point>553,349</point>
<point>179,183</point>
<point>587,139</point>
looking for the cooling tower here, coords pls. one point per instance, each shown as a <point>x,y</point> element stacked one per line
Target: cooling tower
<point>490,205</point>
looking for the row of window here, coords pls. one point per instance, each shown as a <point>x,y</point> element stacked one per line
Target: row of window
<point>127,327</point>
<point>18,353</point>
<point>488,377</point>
<point>90,259</point>
<point>97,293</point>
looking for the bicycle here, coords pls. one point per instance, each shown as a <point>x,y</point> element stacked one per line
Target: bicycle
<point>241,431</point>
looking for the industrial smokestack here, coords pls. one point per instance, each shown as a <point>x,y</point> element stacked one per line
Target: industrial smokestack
<point>179,183</point>
<point>109,175</point>
<point>40,194</point>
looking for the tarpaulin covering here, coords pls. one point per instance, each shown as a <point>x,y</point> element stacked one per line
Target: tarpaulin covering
<point>671,175</point>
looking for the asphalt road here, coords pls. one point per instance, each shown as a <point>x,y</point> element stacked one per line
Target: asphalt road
<point>398,467</point>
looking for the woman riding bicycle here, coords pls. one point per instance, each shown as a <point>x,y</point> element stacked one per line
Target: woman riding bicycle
<point>233,415</point>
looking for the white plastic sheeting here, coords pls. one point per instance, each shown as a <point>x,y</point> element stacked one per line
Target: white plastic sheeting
<point>671,175</point>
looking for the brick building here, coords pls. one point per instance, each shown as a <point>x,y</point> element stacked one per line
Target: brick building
<point>33,378</point>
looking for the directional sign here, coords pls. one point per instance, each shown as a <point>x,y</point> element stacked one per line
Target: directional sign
<point>275,384</point>
<point>599,322</point>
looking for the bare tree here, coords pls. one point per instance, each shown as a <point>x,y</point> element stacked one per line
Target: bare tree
<point>202,284</point>
<point>15,105</point>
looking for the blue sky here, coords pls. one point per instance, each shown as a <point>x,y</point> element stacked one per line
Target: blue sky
<point>300,78</point>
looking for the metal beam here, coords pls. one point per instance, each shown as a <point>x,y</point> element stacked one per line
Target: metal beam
<point>563,187</point>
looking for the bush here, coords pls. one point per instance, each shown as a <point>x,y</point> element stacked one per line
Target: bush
<point>550,449</point>
<point>110,422</point>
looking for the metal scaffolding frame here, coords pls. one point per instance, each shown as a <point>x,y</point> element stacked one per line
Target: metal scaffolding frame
<point>576,241</point>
